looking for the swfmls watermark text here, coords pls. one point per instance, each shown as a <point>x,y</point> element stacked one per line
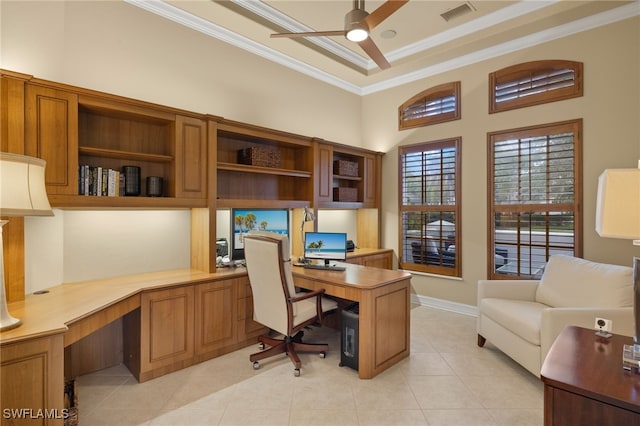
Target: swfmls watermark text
<point>35,413</point>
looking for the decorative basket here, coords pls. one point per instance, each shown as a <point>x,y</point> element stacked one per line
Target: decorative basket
<point>345,194</point>
<point>345,168</point>
<point>259,156</point>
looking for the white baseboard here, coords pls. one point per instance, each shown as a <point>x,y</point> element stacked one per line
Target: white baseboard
<point>444,305</point>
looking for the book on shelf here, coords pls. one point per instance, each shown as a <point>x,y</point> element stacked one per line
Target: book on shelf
<point>99,181</point>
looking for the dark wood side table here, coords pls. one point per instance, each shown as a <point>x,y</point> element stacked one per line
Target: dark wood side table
<point>585,384</point>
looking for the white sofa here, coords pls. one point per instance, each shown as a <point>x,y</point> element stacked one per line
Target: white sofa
<point>522,318</point>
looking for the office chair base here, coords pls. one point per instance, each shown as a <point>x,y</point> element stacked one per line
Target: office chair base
<point>290,345</point>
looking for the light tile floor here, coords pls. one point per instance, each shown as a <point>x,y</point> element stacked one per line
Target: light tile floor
<point>447,380</point>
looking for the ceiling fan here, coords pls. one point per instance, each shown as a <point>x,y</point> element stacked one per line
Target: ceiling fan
<point>357,25</point>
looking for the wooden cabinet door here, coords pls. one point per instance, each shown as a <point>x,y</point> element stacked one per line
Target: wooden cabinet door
<point>167,324</point>
<point>371,181</point>
<point>32,378</point>
<point>51,133</point>
<point>324,173</point>
<point>191,157</point>
<point>215,312</point>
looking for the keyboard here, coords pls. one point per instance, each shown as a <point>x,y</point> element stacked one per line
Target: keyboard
<point>325,268</point>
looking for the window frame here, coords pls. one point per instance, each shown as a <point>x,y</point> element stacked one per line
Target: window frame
<point>529,70</point>
<point>575,126</point>
<point>442,91</point>
<point>456,270</point>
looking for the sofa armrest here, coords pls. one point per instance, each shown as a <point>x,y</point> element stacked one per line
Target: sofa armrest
<point>507,289</point>
<point>554,320</point>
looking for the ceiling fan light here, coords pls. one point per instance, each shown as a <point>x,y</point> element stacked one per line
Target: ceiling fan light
<point>357,34</point>
<point>354,26</point>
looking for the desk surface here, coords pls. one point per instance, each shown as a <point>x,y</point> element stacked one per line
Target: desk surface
<point>53,312</point>
<point>50,313</point>
<point>583,363</point>
<point>353,276</point>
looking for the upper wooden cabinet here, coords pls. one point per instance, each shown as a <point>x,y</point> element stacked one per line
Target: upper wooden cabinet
<point>259,167</point>
<point>71,127</point>
<point>51,133</point>
<point>346,177</point>
<point>203,160</point>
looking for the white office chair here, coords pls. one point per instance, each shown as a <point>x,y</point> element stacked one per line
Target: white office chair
<point>275,301</point>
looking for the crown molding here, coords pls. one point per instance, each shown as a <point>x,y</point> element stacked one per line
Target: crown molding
<point>609,17</point>
<point>189,20</point>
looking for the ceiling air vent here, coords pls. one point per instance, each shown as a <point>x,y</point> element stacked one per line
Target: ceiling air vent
<point>457,11</point>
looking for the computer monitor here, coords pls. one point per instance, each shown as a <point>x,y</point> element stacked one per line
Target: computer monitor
<point>244,221</point>
<point>326,246</point>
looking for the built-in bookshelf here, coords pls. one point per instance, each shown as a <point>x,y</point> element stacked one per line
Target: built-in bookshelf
<point>284,183</point>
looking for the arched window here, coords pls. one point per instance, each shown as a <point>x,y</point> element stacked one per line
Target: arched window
<point>534,83</point>
<point>435,105</point>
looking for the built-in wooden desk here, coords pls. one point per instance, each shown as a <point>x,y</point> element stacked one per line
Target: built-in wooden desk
<point>384,314</point>
<point>32,356</point>
<point>585,384</point>
<point>174,319</point>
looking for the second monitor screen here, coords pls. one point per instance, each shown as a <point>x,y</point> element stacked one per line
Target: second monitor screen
<point>325,246</point>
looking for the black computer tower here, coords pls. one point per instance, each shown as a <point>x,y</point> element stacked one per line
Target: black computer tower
<point>349,337</point>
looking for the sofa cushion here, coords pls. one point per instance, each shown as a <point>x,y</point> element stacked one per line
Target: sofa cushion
<point>521,317</point>
<point>573,282</point>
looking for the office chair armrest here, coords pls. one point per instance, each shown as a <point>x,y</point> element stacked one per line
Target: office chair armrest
<point>306,295</point>
<point>315,293</point>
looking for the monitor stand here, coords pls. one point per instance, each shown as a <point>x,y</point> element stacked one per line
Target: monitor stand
<point>325,267</point>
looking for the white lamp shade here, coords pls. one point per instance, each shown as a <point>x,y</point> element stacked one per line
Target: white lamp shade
<point>618,204</point>
<point>22,186</point>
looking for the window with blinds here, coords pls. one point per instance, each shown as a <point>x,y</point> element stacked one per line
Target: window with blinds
<point>435,105</point>
<point>535,194</point>
<point>430,207</point>
<point>534,83</point>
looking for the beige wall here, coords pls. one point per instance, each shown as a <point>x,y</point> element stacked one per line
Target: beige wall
<point>121,49</point>
<point>118,48</point>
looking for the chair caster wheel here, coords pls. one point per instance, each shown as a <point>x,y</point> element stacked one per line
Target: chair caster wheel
<point>296,372</point>
<point>323,355</point>
<point>256,365</point>
<point>261,346</point>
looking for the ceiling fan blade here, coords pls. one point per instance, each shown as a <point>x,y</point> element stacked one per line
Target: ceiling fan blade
<point>374,53</point>
<point>383,12</point>
<point>309,34</point>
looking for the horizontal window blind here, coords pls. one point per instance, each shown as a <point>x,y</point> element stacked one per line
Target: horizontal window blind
<point>429,107</point>
<point>429,206</point>
<point>536,170</point>
<point>534,83</point>
<point>535,193</point>
<point>434,105</point>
